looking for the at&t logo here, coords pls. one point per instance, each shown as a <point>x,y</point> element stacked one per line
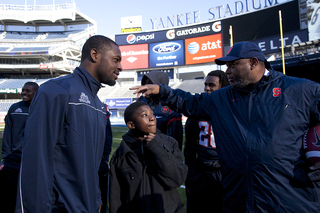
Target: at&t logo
<point>193,47</point>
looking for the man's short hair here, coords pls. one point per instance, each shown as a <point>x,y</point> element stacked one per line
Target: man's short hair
<point>98,42</point>
<point>223,78</point>
<point>131,109</point>
<point>33,84</point>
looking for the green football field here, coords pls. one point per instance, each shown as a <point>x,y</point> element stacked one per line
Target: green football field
<point>117,133</point>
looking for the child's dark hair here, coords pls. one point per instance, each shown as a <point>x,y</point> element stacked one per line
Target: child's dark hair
<point>128,113</point>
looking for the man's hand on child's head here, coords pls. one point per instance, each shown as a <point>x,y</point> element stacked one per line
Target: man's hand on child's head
<point>149,137</point>
<point>146,90</point>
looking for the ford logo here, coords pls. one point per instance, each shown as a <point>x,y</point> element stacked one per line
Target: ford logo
<point>166,47</point>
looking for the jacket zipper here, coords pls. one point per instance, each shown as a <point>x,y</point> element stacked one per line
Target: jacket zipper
<point>143,175</point>
<point>277,117</point>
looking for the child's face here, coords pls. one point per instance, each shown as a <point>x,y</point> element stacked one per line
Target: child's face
<point>144,120</point>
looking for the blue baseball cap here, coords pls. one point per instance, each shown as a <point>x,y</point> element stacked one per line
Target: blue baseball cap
<point>241,50</point>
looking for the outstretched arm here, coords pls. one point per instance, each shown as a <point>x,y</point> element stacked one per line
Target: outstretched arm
<point>146,90</point>
<point>178,100</point>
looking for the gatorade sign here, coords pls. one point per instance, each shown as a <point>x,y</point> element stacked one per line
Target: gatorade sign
<point>203,49</point>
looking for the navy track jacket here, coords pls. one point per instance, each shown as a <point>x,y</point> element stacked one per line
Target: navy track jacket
<point>15,121</point>
<point>63,145</point>
<point>259,141</point>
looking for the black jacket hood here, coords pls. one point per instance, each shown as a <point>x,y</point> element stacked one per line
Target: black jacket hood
<point>157,77</point>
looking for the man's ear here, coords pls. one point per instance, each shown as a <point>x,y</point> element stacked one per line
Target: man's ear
<point>130,125</point>
<point>94,55</point>
<point>254,62</point>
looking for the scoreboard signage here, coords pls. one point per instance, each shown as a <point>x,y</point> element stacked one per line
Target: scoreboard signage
<point>197,30</point>
<point>134,56</point>
<point>203,49</point>
<point>141,38</point>
<point>168,71</point>
<point>166,54</point>
<point>273,44</point>
<point>114,103</point>
<point>203,43</point>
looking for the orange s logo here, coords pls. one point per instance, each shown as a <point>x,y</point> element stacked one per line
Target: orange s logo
<point>276,92</point>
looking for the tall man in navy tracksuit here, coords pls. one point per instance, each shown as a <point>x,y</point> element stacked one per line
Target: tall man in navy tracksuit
<point>259,122</point>
<point>66,133</point>
<point>15,122</point>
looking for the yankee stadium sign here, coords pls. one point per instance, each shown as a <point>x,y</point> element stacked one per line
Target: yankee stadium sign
<point>221,11</point>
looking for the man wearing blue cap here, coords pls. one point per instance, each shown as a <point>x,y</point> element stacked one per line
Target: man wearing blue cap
<point>259,123</point>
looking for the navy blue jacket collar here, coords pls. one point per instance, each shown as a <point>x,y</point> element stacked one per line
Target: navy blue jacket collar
<point>265,80</point>
<point>88,80</point>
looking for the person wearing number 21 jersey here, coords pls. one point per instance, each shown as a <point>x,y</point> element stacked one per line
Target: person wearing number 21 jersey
<point>203,184</point>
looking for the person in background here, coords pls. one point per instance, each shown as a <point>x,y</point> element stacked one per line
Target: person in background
<point>61,159</point>
<point>169,122</point>
<point>259,123</point>
<point>147,168</point>
<point>203,183</point>
<point>15,122</point>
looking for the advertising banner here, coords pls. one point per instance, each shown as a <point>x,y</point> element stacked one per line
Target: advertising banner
<point>134,56</point>
<point>263,23</point>
<point>195,31</point>
<point>114,103</point>
<point>140,38</point>
<point>142,73</point>
<point>8,90</point>
<point>166,54</point>
<point>203,49</point>
<point>273,44</point>
<point>171,34</point>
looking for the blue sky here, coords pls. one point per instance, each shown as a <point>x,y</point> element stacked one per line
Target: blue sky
<point>108,13</point>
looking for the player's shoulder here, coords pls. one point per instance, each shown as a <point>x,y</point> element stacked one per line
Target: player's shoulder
<point>15,106</point>
<point>301,83</point>
<point>58,86</point>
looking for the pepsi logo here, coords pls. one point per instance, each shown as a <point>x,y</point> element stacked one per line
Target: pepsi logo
<point>193,47</point>
<point>131,38</point>
<point>166,47</point>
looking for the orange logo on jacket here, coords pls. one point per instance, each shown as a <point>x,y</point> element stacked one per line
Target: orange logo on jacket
<point>276,92</point>
<point>165,109</point>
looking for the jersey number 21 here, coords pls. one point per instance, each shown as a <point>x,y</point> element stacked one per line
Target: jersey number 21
<point>206,136</point>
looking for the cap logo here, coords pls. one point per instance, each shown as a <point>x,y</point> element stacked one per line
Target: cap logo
<point>230,50</point>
